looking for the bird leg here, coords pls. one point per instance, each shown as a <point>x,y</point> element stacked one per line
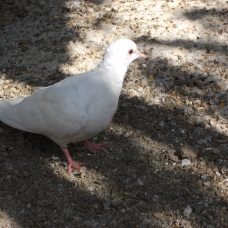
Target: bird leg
<point>71,162</point>
<point>93,147</point>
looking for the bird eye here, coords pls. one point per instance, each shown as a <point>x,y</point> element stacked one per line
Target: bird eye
<point>130,51</point>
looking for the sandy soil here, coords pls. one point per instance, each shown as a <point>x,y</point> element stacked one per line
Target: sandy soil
<point>168,154</point>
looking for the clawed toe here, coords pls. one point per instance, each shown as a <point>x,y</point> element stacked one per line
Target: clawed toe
<point>71,163</point>
<point>92,147</point>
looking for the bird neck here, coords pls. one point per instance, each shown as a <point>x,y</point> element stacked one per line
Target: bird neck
<point>114,76</point>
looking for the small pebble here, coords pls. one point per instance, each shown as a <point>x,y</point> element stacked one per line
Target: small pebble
<point>187,211</point>
<point>185,162</point>
<point>116,202</point>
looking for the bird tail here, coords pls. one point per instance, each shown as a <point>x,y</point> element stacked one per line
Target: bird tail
<point>9,114</point>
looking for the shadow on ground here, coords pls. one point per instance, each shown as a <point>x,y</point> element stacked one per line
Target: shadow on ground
<point>139,183</point>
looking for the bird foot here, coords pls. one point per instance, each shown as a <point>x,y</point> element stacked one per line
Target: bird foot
<point>71,163</point>
<point>93,147</point>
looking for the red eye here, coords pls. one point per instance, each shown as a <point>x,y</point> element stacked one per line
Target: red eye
<point>130,51</point>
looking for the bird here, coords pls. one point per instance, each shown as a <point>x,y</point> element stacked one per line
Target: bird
<point>78,107</point>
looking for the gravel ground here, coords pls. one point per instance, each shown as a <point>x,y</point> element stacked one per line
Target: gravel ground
<point>167,164</point>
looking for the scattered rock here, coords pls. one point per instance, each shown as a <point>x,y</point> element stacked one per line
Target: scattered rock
<point>216,151</point>
<point>116,202</point>
<point>187,211</point>
<point>78,218</point>
<point>188,152</point>
<point>213,122</point>
<point>180,81</point>
<point>185,162</point>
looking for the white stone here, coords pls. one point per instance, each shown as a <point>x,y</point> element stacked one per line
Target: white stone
<point>187,211</point>
<point>185,162</point>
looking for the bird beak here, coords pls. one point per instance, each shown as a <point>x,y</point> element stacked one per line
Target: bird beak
<point>141,55</point>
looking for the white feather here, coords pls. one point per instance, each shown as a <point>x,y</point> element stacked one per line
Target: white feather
<point>78,107</point>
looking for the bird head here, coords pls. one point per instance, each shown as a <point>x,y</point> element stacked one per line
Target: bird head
<point>121,53</point>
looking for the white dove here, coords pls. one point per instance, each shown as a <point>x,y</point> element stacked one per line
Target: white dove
<point>77,108</point>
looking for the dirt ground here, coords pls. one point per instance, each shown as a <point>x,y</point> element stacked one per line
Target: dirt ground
<point>167,160</point>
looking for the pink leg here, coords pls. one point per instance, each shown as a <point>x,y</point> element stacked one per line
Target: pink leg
<point>93,147</point>
<point>71,162</point>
